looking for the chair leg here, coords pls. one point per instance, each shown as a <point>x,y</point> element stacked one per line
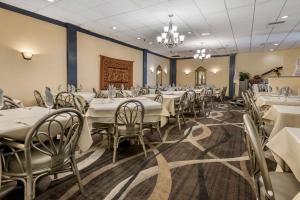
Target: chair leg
<point>158,130</point>
<point>143,144</point>
<point>178,121</point>
<point>115,149</point>
<point>28,194</point>
<point>76,173</point>
<point>183,118</point>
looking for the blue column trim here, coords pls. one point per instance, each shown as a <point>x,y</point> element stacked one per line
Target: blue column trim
<point>71,54</point>
<point>231,74</point>
<point>173,68</point>
<point>145,56</point>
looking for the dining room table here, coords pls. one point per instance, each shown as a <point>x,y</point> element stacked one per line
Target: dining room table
<point>285,146</point>
<point>282,116</point>
<point>277,100</point>
<point>102,110</point>
<point>169,101</point>
<point>16,123</point>
<point>87,96</point>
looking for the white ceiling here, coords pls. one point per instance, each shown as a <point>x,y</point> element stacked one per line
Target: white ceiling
<point>234,25</point>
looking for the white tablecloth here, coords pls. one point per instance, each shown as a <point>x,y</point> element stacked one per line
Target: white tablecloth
<point>286,147</point>
<point>168,101</point>
<point>103,110</point>
<point>276,100</point>
<point>15,124</point>
<point>88,96</point>
<point>258,94</point>
<point>283,116</point>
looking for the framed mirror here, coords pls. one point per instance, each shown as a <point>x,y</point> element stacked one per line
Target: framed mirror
<point>159,75</point>
<point>200,74</point>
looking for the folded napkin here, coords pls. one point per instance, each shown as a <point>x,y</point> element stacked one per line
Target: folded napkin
<point>1,97</point>
<point>49,97</point>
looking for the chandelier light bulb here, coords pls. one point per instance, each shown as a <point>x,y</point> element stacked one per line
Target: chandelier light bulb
<point>159,39</point>
<point>174,28</point>
<point>176,34</point>
<point>164,35</point>
<point>198,51</point>
<point>181,38</point>
<point>203,50</point>
<point>196,56</point>
<point>166,29</point>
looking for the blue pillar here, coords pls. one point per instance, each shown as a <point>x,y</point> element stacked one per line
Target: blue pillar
<point>173,67</point>
<point>231,74</point>
<point>145,52</point>
<point>72,54</point>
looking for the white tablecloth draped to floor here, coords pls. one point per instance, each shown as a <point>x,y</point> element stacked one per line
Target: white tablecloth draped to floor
<point>277,100</point>
<point>286,147</point>
<point>15,124</point>
<point>103,110</point>
<point>283,116</point>
<point>168,101</point>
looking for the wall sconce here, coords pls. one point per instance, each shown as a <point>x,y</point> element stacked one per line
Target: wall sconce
<point>215,71</point>
<point>152,69</point>
<point>27,55</point>
<point>166,71</point>
<point>187,72</point>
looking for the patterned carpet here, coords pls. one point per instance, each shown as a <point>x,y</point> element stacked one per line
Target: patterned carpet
<point>206,160</point>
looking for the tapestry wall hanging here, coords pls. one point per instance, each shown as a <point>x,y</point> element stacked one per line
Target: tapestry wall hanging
<point>116,72</point>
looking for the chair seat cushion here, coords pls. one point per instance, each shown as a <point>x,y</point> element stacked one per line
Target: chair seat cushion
<point>285,185</point>
<point>39,161</point>
<point>127,131</point>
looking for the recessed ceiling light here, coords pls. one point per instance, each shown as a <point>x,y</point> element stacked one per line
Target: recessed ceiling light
<point>205,34</point>
<point>51,0</point>
<point>276,44</point>
<point>114,27</point>
<point>138,38</point>
<point>271,49</point>
<point>189,32</point>
<point>284,17</point>
<point>150,42</point>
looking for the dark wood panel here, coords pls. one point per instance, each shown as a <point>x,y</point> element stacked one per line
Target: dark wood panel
<point>115,71</point>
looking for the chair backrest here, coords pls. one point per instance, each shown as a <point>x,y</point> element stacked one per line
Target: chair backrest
<point>246,102</point>
<point>81,104</point>
<point>39,99</point>
<point>223,92</point>
<point>55,135</point>
<point>119,95</point>
<point>7,104</point>
<point>7,97</point>
<point>130,114</point>
<point>157,91</point>
<point>159,98</point>
<point>98,94</point>
<point>191,96</point>
<point>65,100</point>
<point>184,101</point>
<point>256,155</point>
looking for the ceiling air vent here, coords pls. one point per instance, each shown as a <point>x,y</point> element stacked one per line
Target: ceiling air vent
<point>273,24</point>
